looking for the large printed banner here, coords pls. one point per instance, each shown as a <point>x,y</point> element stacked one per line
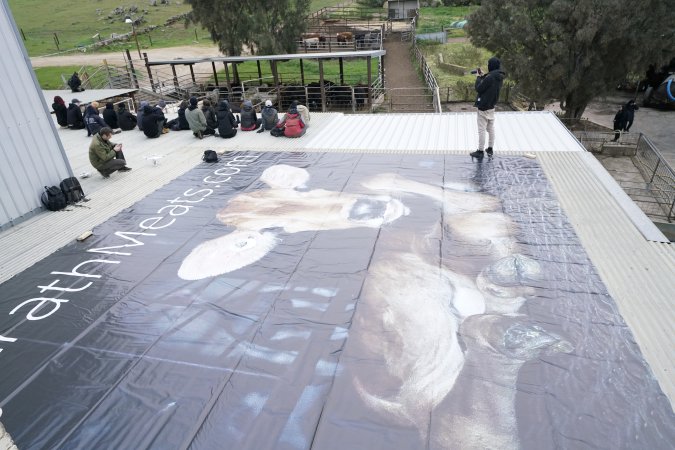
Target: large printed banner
<point>328,301</point>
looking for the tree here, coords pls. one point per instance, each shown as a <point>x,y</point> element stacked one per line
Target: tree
<point>573,50</point>
<point>265,27</point>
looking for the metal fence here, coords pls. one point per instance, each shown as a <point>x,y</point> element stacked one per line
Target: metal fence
<point>428,75</point>
<point>654,193</point>
<point>658,175</point>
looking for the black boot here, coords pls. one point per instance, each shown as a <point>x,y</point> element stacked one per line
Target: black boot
<point>489,152</point>
<point>478,154</point>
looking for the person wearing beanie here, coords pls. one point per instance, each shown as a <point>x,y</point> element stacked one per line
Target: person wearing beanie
<point>180,122</point>
<point>74,117</point>
<point>153,121</point>
<point>488,87</point>
<point>61,111</point>
<point>270,117</point>
<point>197,121</point>
<point>110,116</point>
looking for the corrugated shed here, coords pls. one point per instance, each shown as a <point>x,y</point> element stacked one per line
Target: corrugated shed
<point>29,146</point>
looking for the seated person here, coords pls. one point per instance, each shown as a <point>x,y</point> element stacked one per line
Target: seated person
<point>197,120</point>
<point>227,123</point>
<point>61,111</point>
<point>153,121</point>
<point>139,115</point>
<point>110,116</point>
<point>180,123</point>
<point>292,123</point>
<point>74,116</point>
<point>270,116</point>
<point>210,114</point>
<point>93,119</point>
<point>249,119</point>
<point>75,83</point>
<point>106,156</point>
<point>125,119</point>
<point>303,111</point>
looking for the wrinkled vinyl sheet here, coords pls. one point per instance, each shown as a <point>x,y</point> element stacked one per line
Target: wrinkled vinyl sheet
<point>328,301</point>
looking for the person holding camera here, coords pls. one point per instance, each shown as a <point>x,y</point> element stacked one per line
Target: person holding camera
<point>488,87</point>
<point>106,156</point>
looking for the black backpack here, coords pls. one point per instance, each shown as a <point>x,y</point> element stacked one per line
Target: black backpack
<point>72,190</point>
<point>210,156</point>
<point>277,132</point>
<point>53,198</point>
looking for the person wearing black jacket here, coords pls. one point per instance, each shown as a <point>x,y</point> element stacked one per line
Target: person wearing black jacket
<point>61,112</point>
<point>227,123</point>
<point>125,119</point>
<point>180,122</point>
<point>153,121</point>
<point>619,122</point>
<point>210,114</point>
<point>488,87</point>
<point>110,116</point>
<point>75,83</point>
<point>93,119</point>
<point>74,115</point>
<point>630,109</point>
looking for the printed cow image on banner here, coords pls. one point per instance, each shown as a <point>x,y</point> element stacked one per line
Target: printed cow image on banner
<point>328,301</point>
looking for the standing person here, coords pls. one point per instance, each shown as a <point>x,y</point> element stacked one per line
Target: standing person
<point>197,121</point>
<point>125,119</point>
<point>60,111</point>
<point>630,109</point>
<point>93,119</point>
<point>619,123</point>
<point>75,119</point>
<point>110,116</point>
<point>270,117</point>
<point>488,87</point>
<point>210,114</point>
<point>75,83</point>
<point>227,123</point>
<point>106,156</point>
<point>292,123</point>
<point>249,119</point>
<point>153,121</point>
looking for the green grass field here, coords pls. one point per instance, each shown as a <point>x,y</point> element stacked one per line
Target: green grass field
<point>435,19</point>
<point>50,77</point>
<point>75,24</point>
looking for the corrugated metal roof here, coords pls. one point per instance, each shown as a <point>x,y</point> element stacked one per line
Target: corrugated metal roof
<point>637,272</point>
<point>237,59</point>
<point>87,96</point>
<point>32,155</point>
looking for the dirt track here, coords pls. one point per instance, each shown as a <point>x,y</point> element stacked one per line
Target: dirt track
<point>95,59</point>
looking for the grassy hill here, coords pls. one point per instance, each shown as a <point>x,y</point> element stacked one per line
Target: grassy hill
<point>75,23</point>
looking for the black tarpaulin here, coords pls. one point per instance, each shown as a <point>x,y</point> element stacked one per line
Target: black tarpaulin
<point>328,301</point>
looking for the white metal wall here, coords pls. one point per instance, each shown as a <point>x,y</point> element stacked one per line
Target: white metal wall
<point>31,154</point>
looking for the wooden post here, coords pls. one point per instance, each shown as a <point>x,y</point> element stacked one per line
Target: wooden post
<point>133,71</point>
<point>192,74</point>
<point>259,73</point>
<point>235,73</point>
<point>370,80</point>
<point>107,71</point>
<point>175,76</point>
<point>147,66</point>
<point>227,76</point>
<point>215,74</point>
<point>275,74</point>
<point>342,73</point>
<point>302,73</point>
<point>323,88</point>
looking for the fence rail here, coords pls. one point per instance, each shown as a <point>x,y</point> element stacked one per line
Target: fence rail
<point>655,192</point>
<point>428,75</point>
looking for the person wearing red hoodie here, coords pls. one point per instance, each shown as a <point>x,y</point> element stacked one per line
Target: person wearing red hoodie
<point>292,123</point>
